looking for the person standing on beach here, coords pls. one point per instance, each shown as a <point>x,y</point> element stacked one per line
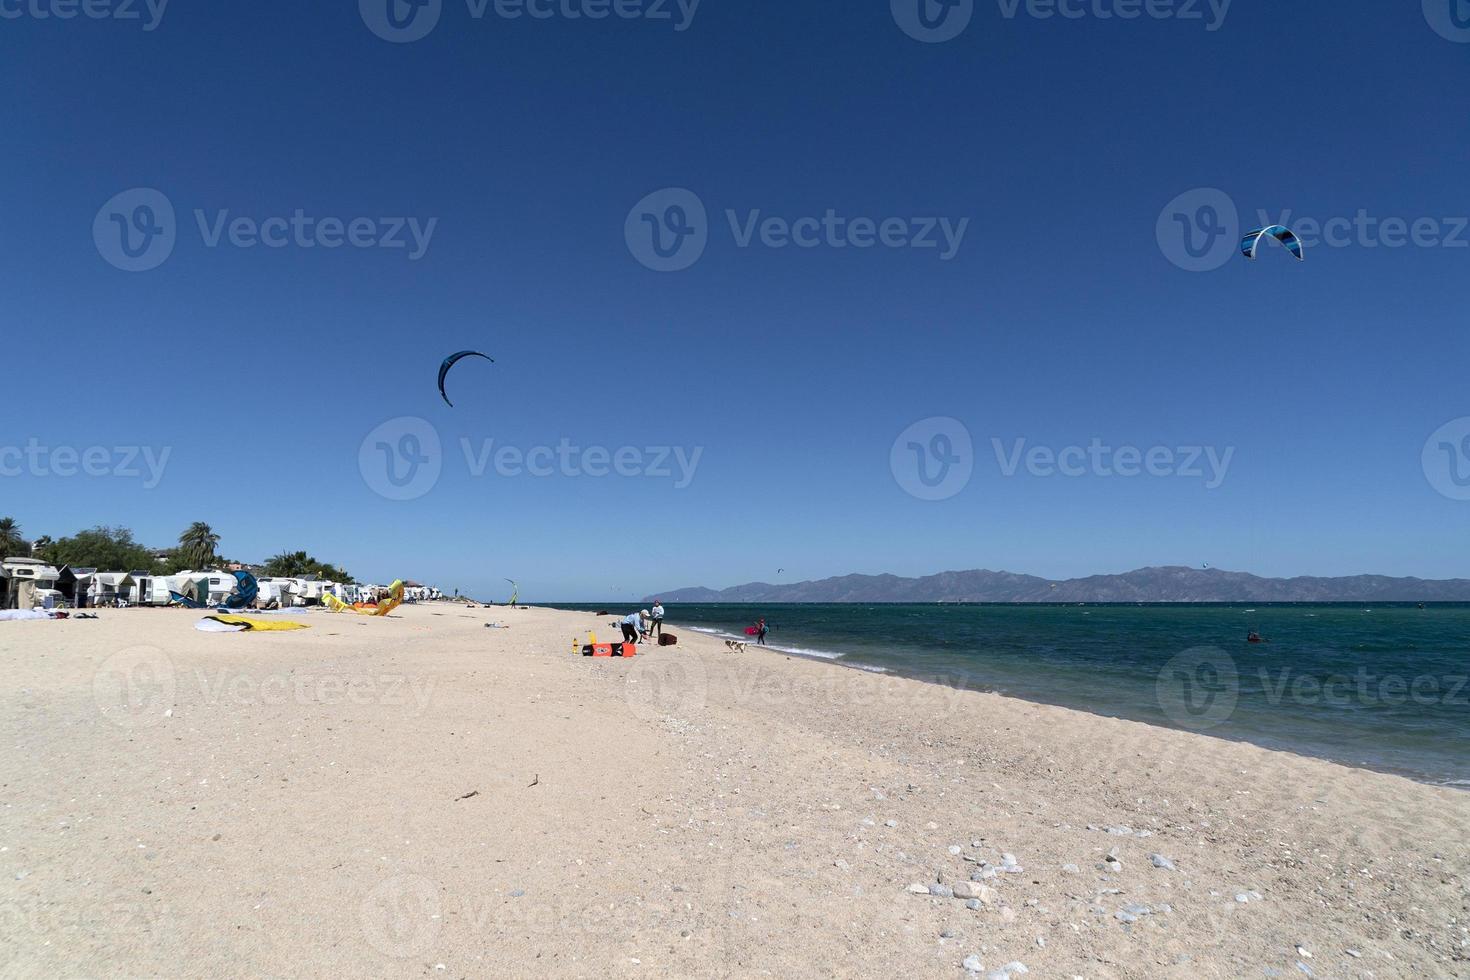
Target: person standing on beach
<point>760,632</point>
<point>658,618</point>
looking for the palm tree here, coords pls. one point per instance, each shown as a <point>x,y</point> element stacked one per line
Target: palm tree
<point>289,564</point>
<point>11,543</point>
<point>197,544</point>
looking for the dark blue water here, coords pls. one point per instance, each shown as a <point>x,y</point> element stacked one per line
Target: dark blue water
<point>1378,686</point>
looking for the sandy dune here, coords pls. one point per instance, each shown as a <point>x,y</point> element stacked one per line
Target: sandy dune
<point>425,796</point>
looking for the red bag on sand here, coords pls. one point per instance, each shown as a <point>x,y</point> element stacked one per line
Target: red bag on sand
<point>667,640</point>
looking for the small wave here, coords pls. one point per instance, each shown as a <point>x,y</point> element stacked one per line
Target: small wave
<point>794,651</point>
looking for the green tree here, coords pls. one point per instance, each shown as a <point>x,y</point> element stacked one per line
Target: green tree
<point>298,564</point>
<point>197,545</point>
<point>41,547</point>
<point>12,545</point>
<point>107,549</point>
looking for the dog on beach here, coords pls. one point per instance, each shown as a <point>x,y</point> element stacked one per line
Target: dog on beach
<point>735,645</point>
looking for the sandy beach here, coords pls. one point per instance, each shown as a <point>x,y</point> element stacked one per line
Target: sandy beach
<point>422,795</point>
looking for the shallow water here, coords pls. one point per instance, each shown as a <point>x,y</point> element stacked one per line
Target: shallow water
<point>1382,686</point>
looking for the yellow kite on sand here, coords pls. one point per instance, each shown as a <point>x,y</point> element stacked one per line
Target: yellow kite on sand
<point>223,623</point>
<point>395,598</point>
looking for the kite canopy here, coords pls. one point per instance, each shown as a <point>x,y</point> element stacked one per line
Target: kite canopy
<point>1281,233</point>
<point>450,362</point>
<point>515,591</point>
<point>246,590</point>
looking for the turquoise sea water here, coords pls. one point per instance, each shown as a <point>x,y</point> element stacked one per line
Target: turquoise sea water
<point>1381,686</point>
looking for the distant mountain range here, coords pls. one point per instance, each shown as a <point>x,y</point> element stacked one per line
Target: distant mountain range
<point>1163,584</point>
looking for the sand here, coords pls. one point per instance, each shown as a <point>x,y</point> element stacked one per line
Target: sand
<point>425,796</point>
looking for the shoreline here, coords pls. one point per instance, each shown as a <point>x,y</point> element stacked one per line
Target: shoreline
<point>386,796</point>
<point>967,680</point>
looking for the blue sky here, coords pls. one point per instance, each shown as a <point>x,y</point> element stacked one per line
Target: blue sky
<point>1059,320</point>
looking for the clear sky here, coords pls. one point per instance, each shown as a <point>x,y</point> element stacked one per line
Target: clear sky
<point>1064,314</point>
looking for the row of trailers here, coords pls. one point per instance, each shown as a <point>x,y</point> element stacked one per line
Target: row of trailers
<point>87,587</point>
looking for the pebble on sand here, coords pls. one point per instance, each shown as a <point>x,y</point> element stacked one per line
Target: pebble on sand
<point>1159,861</point>
<point>972,964</point>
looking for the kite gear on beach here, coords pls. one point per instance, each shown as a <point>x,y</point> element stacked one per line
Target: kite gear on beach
<point>450,362</point>
<point>245,624</point>
<point>246,591</point>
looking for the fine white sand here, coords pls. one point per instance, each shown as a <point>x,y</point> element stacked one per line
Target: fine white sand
<point>174,803</point>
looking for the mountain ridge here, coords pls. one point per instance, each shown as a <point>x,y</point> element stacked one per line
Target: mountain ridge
<point>1165,583</point>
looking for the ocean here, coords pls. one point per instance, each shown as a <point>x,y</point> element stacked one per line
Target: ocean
<point>1380,686</point>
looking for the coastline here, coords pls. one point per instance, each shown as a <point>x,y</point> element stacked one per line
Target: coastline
<point>386,796</point>
<point>1141,699</point>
